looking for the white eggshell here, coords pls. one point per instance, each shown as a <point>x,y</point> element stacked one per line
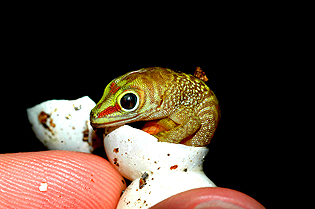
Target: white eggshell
<point>158,169</point>
<point>63,124</point>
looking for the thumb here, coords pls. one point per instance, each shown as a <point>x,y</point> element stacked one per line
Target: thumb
<point>58,179</point>
<point>210,198</point>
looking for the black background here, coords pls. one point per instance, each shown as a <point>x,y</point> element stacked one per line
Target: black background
<point>66,62</point>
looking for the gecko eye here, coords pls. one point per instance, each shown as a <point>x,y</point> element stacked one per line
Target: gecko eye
<point>129,102</point>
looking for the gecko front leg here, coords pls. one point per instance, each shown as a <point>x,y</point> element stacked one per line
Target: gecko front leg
<point>188,123</point>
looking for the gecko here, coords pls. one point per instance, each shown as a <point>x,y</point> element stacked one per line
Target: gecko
<point>162,94</point>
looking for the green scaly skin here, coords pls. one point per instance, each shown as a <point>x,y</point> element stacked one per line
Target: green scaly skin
<point>160,93</point>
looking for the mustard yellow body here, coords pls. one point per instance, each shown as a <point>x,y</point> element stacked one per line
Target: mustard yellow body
<point>159,93</point>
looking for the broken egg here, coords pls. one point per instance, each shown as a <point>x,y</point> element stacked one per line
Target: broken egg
<point>63,124</point>
<point>157,170</point>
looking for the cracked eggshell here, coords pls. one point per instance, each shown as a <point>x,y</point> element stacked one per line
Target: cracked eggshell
<point>63,124</point>
<point>158,169</point>
<point>160,186</point>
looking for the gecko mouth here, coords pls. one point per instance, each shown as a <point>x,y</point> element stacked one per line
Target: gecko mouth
<point>138,124</point>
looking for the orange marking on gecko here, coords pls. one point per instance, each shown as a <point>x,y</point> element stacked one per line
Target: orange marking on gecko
<point>109,110</point>
<point>114,88</point>
<point>152,127</point>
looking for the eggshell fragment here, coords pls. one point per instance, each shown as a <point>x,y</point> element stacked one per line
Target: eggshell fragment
<point>157,170</point>
<point>63,124</point>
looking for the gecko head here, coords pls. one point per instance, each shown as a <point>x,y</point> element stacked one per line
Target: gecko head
<point>123,102</point>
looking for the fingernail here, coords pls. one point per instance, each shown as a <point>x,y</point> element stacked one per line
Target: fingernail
<point>218,204</point>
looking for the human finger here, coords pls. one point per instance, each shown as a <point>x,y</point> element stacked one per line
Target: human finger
<point>210,197</point>
<point>58,179</point>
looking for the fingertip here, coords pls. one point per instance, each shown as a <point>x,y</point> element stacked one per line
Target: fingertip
<point>210,197</point>
<point>58,179</point>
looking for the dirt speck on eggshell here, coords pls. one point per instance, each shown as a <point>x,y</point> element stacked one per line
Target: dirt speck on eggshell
<point>116,162</point>
<point>174,167</point>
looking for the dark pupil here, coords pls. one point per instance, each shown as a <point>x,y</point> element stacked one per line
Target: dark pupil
<point>128,101</point>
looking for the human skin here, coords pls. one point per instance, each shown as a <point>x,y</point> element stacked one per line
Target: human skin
<point>210,197</point>
<point>73,180</point>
